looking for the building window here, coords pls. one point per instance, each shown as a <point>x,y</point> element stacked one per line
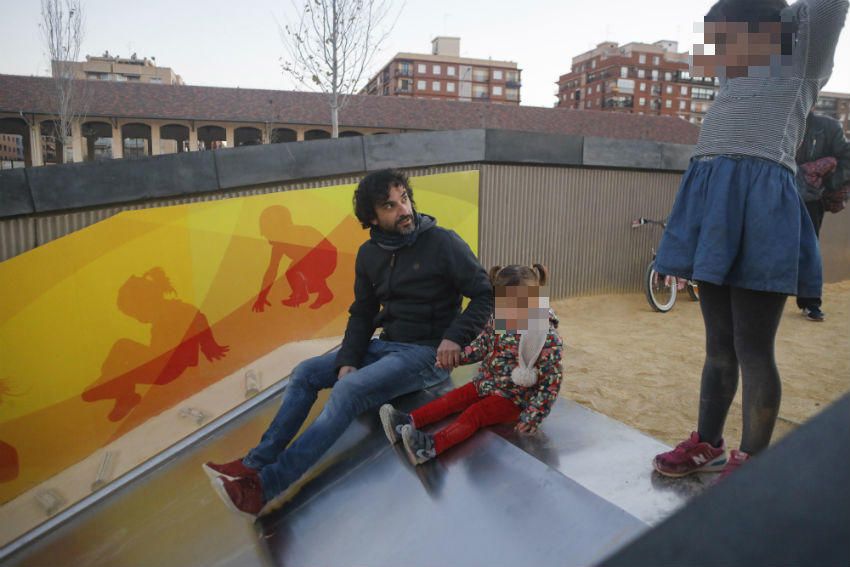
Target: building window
<point>451,71</point>
<point>668,103</point>
<point>642,59</point>
<point>598,87</point>
<point>512,94</point>
<point>420,85</point>
<point>643,86</point>
<point>450,87</point>
<point>593,64</point>
<point>421,67</point>
<point>624,72</point>
<point>589,90</point>
<point>497,74</point>
<point>436,69</point>
<point>656,60</point>
<point>404,85</point>
<point>642,101</point>
<point>512,76</point>
<point>655,74</point>
<point>669,89</point>
<point>480,75</point>
<point>641,74</point>
<point>684,91</point>
<point>682,105</point>
<point>668,76</point>
<point>589,103</point>
<point>497,91</point>
<point>435,86</point>
<point>480,91</point>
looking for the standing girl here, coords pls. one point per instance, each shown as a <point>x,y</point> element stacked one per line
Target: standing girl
<point>519,377</point>
<point>738,225</point>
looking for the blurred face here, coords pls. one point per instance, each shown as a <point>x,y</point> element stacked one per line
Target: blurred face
<point>395,215</point>
<point>520,308</point>
<point>730,49</point>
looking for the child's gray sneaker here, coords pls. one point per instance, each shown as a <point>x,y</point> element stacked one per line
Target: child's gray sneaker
<point>418,445</point>
<point>393,420</point>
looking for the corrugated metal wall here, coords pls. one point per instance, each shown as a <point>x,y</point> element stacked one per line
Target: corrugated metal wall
<point>577,221</point>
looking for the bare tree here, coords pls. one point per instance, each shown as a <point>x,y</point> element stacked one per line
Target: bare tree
<point>332,45</point>
<point>62,29</point>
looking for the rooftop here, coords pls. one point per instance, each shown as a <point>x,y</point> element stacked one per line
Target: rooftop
<point>34,95</point>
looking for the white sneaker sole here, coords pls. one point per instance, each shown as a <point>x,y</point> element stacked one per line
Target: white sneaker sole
<point>214,474</point>
<point>386,422</point>
<point>716,465</point>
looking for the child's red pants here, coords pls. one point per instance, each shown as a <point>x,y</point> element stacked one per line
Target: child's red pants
<point>477,411</point>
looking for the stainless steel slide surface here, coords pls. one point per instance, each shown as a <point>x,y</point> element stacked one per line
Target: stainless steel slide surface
<point>570,495</point>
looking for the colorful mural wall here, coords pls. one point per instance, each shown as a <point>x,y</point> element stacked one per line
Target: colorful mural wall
<point>108,326</point>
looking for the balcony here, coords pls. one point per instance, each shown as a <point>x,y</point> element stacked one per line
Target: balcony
<point>403,73</point>
<point>512,84</point>
<point>627,102</point>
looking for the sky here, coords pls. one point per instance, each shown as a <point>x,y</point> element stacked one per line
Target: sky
<point>229,44</point>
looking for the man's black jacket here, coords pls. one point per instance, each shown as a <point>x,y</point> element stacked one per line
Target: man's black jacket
<point>824,138</point>
<point>415,293</point>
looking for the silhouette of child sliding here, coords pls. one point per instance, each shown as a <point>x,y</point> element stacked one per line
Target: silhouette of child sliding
<point>178,332</point>
<point>311,264</point>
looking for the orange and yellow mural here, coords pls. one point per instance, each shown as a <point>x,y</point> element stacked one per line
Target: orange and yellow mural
<point>106,327</point>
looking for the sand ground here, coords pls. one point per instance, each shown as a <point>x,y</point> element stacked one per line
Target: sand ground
<point>643,368</point>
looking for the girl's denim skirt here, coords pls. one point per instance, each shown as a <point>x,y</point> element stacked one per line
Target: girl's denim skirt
<point>739,221</point>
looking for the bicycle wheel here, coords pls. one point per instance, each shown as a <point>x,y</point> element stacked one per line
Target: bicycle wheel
<point>660,290</point>
<point>693,290</point>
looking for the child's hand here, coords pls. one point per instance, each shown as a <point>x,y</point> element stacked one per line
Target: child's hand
<point>526,428</point>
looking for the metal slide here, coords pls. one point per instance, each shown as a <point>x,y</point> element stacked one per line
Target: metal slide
<point>570,495</point>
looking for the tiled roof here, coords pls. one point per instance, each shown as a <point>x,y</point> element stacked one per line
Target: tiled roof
<point>149,101</point>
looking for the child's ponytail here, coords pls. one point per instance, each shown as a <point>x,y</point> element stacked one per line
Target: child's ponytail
<point>542,274</point>
<point>494,271</point>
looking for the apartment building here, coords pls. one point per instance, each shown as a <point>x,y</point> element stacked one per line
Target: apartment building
<point>445,75</point>
<point>640,78</point>
<point>123,69</point>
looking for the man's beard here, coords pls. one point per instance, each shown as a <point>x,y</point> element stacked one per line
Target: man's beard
<point>405,230</point>
<point>401,230</point>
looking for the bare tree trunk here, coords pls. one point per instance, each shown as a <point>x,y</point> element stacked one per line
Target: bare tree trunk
<point>330,46</point>
<point>61,26</point>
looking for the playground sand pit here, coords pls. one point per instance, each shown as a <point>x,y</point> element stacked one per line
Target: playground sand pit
<point>643,368</point>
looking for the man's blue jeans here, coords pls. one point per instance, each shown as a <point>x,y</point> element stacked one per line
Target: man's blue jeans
<point>389,369</point>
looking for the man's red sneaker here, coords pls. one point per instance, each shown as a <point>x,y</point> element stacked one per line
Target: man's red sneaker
<point>232,470</point>
<point>242,495</point>
<point>691,456</point>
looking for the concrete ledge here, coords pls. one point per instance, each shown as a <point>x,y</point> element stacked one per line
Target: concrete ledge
<point>80,185</point>
<point>607,152</point>
<point>254,165</point>
<point>15,196</point>
<point>510,146</point>
<point>676,156</point>
<point>424,148</point>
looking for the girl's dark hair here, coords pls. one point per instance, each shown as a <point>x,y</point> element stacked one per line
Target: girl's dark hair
<point>754,12</point>
<point>519,275</point>
<point>374,190</point>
